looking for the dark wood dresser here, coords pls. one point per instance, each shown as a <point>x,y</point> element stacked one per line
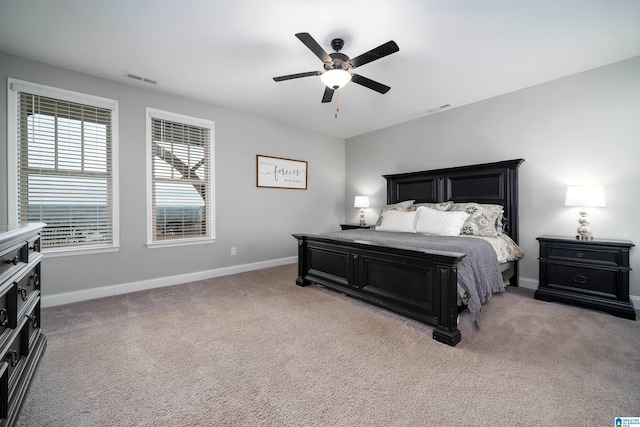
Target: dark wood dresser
<point>591,273</point>
<point>21,341</point>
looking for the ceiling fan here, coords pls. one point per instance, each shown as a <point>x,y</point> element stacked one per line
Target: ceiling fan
<point>337,66</point>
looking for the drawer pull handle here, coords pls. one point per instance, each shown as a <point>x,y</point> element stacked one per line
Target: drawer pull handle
<point>34,320</point>
<point>23,293</point>
<point>35,279</point>
<point>4,317</point>
<point>13,358</point>
<point>13,261</point>
<point>580,279</point>
<point>579,254</point>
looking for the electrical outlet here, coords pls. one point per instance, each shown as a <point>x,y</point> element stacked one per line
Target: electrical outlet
<point>233,251</point>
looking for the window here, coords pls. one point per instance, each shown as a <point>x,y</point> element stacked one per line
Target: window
<point>63,145</point>
<point>179,179</point>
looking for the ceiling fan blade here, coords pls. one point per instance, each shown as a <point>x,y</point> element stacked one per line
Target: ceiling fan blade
<point>379,52</point>
<point>328,94</point>
<point>371,84</point>
<point>297,76</point>
<point>314,46</point>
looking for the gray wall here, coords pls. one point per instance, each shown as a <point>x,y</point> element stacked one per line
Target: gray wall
<point>579,129</point>
<point>258,222</point>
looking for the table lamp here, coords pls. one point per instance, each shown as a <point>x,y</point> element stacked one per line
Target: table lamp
<point>361,202</point>
<point>584,196</point>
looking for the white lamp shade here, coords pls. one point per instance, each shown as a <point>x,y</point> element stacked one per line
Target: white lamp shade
<point>361,202</point>
<point>585,195</point>
<point>335,79</point>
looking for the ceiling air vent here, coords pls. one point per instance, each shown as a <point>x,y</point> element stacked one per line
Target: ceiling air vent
<point>440,108</point>
<point>141,79</point>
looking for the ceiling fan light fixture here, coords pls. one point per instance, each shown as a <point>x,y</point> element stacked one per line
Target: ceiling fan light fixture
<point>335,79</point>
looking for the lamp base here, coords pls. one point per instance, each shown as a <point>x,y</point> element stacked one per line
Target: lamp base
<point>584,231</point>
<point>362,222</point>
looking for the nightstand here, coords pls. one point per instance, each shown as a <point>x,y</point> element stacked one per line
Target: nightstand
<point>592,274</point>
<point>354,226</point>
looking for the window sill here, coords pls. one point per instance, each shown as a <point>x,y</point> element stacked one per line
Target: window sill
<point>60,252</point>
<point>181,242</point>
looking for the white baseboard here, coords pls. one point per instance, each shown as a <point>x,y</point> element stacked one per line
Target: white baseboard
<point>124,288</point>
<point>525,282</point>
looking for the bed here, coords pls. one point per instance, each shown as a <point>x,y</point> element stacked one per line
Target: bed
<point>418,283</point>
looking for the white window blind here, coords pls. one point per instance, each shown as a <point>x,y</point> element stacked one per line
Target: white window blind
<point>65,175</point>
<point>180,180</point>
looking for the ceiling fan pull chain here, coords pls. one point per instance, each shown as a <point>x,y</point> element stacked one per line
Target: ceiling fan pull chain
<point>335,116</point>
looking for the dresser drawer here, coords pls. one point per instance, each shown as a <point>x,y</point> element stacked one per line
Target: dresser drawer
<point>15,356</point>
<point>583,279</point>
<point>33,247</point>
<point>8,314</point>
<point>31,329</point>
<point>27,287</point>
<point>578,253</point>
<point>4,390</point>
<point>13,258</point>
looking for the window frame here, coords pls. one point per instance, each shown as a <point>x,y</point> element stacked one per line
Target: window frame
<point>154,113</point>
<point>14,87</point>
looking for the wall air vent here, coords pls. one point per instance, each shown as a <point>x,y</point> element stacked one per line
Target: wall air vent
<point>141,79</point>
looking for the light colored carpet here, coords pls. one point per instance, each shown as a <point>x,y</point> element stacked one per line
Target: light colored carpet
<point>254,349</point>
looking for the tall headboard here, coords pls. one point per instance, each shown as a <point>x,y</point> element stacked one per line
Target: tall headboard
<point>495,183</point>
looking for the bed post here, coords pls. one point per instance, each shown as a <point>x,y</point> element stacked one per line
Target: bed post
<point>302,261</point>
<point>447,329</point>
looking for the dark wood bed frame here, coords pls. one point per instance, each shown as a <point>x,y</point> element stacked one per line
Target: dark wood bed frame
<point>421,284</point>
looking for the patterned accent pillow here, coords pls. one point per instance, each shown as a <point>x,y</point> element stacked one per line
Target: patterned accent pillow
<point>442,206</point>
<point>482,221</point>
<point>500,224</point>
<point>401,206</point>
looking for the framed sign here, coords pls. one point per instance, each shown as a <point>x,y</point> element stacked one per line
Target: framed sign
<point>275,172</point>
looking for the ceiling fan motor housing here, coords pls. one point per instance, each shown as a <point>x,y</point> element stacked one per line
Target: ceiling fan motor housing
<point>339,61</point>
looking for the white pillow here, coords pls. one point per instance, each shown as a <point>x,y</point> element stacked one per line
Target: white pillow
<point>440,223</point>
<point>398,221</point>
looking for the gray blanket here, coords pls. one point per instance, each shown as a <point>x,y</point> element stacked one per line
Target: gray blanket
<point>478,272</point>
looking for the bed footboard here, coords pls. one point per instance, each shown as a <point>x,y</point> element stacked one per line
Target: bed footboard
<point>419,284</point>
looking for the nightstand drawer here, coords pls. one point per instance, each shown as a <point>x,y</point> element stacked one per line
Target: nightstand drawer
<point>589,280</point>
<point>578,253</point>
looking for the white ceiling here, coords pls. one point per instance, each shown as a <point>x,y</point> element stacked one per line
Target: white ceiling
<point>225,52</point>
